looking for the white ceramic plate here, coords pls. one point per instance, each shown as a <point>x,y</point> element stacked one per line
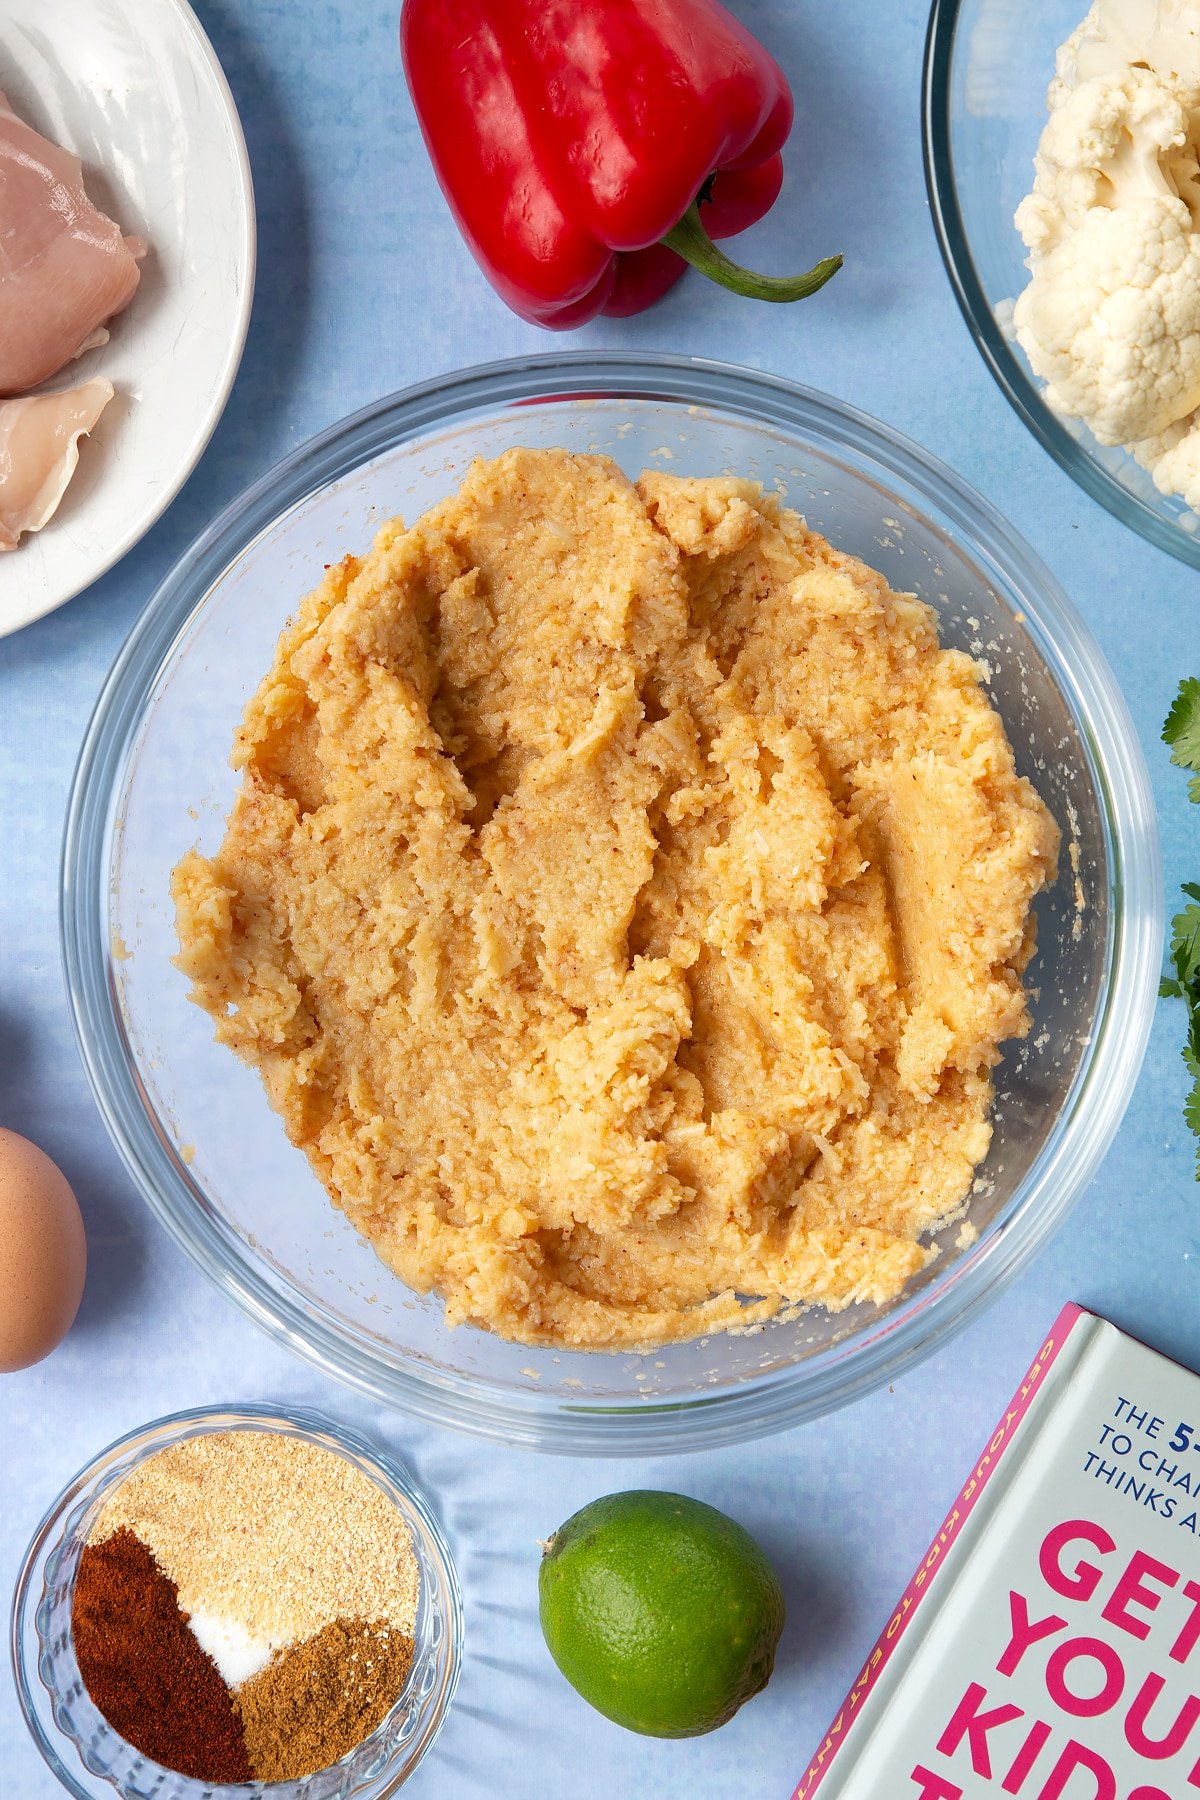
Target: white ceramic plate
<point>134,88</point>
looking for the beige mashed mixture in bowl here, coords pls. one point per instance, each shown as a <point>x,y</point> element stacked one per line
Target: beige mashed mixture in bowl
<point>625,905</point>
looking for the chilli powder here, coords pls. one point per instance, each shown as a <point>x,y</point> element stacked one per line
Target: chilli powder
<point>244,1607</point>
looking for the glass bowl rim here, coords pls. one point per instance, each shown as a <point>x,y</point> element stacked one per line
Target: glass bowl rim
<point>315,1426</point>
<point>1017,387</point>
<point>779,1397</point>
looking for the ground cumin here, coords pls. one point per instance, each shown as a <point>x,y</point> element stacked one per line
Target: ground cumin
<point>317,1701</point>
<point>144,1669</point>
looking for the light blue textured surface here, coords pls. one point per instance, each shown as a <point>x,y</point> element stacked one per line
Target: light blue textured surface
<point>363,287</point>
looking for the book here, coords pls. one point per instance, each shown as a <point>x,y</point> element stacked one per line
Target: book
<point>1048,1645</point>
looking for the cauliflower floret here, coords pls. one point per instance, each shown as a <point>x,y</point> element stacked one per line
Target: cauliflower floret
<point>1163,35</point>
<point>1174,460</point>
<point>1111,316</point>
<point>1109,141</point>
<point>1111,320</point>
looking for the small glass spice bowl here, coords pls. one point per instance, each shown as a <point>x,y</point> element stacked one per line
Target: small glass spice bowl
<point>91,1760</point>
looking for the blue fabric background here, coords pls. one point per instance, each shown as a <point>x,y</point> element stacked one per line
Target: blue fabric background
<point>363,287</point>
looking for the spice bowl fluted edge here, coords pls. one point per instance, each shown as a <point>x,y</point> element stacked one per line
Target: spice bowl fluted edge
<point>90,1759</point>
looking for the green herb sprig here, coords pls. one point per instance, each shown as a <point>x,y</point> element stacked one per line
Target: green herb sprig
<point>1182,733</point>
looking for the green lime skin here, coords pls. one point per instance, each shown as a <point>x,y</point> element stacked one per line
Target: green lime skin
<point>661,1611</point>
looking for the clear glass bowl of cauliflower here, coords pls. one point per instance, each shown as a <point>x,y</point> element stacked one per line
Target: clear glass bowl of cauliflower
<point>1063,157</point>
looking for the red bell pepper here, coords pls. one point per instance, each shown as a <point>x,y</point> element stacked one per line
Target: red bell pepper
<point>590,149</point>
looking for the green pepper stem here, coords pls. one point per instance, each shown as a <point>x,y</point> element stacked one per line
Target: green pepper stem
<point>690,240</point>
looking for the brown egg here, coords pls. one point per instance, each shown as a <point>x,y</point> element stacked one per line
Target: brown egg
<point>43,1254</point>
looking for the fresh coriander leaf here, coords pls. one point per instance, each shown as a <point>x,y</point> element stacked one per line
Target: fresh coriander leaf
<point>1182,732</point>
<point>1185,944</point>
<point>1182,729</point>
<point>1191,1117</point>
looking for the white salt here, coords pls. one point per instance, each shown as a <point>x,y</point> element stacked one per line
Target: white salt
<point>237,1653</point>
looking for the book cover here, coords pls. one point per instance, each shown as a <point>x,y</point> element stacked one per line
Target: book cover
<point>1048,1646</point>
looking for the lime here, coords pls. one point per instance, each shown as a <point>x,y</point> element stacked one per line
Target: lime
<point>661,1611</point>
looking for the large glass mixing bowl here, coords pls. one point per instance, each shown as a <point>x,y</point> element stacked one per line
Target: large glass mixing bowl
<point>192,1123</point>
<point>988,64</point>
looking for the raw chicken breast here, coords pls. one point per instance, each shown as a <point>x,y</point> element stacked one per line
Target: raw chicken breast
<point>64,267</point>
<point>39,448</point>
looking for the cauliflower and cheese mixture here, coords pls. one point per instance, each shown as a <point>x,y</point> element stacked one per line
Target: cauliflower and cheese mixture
<point>624,903</point>
<point>1111,316</point>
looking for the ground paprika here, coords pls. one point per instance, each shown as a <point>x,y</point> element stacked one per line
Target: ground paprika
<point>145,1670</point>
